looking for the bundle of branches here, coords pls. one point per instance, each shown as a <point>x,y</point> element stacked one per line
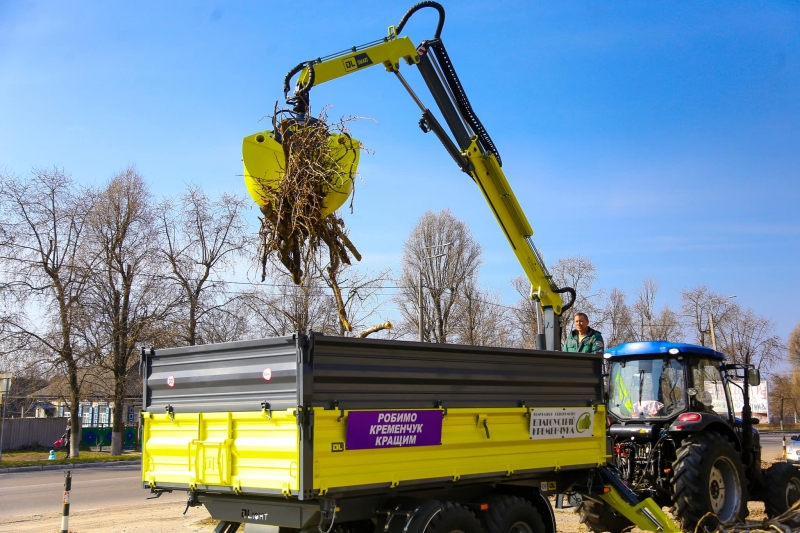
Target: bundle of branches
<point>294,227</point>
<point>784,523</point>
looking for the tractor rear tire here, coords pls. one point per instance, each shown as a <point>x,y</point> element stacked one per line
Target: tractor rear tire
<point>708,478</point>
<point>599,517</point>
<point>512,514</point>
<point>781,488</point>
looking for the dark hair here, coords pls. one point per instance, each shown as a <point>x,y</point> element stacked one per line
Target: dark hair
<point>584,315</point>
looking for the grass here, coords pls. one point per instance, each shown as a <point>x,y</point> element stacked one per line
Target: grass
<point>39,457</point>
<point>767,428</point>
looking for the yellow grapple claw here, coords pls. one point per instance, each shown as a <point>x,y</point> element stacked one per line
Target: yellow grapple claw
<point>265,163</point>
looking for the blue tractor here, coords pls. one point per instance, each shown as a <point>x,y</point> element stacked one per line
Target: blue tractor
<point>675,437</point>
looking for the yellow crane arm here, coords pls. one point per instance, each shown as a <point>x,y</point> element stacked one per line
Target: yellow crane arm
<point>483,166</point>
<point>468,143</point>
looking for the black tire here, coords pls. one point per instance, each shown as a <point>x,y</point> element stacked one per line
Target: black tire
<point>599,517</point>
<point>708,478</point>
<point>781,488</point>
<point>453,518</point>
<point>433,516</point>
<point>512,514</point>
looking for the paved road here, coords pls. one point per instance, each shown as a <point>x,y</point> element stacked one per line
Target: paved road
<point>26,493</point>
<point>772,445</point>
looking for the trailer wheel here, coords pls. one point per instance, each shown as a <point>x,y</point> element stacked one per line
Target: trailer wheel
<point>512,514</point>
<point>709,478</point>
<point>599,517</point>
<point>452,518</point>
<point>431,516</point>
<point>781,488</point>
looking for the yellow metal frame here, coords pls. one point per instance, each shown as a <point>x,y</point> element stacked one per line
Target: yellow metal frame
<point>491,179</point>
<point>387,53</point>
<point>646,514</point>
<point>243,450</point>
<point>465,450</point>
<point>246,451</point>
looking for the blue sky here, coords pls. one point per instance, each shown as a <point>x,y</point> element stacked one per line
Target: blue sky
<point>660,139</point>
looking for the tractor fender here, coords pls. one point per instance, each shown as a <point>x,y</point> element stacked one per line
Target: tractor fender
<point>707,422</point>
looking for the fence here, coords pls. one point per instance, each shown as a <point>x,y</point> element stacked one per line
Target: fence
<point>30,432</point>
<point>43,432</point>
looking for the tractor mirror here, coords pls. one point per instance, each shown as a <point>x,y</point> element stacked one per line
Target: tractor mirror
<point>754,377</point>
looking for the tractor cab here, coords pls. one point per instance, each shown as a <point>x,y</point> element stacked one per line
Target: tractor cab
<point>658,381</point>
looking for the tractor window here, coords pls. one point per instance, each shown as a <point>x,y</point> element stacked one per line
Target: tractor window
<point>646,388</point>
<point>707,381</point>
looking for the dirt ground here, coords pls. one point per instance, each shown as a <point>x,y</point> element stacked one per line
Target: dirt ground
<point>568,521</point>
<point>145,518</point>
<point>167,517</point>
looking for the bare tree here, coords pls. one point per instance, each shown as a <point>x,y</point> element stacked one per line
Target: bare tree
<point>127,297</point>
<point>480,318</point>
<point>289,308</point>
<point>783,394</point>
<point>750,339</point>
<point>616,319</point>
<point>579,273</point>
<point>440,250</point>
<point>202,237</point>
<point>649,324</point>
<point>696,306</point>
<point>48,267</point>
<point>524,315</point>
<point>793,347</point>
<point>360,292</point>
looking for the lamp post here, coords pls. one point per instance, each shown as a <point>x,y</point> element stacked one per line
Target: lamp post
<point>5,386</point>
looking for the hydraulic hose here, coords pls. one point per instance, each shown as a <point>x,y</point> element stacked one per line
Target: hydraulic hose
<point>422,5</point>
<point>571,292</point>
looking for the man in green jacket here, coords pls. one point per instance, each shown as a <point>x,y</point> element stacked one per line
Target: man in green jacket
<point>584,339</point>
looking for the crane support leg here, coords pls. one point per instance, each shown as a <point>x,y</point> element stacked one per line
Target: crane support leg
<point>645,514</point>
<point>552,329</point>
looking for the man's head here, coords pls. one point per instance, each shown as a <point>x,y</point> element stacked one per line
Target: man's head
<point>582,323</point>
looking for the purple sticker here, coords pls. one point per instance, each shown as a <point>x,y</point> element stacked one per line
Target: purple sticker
<point>393,429</point>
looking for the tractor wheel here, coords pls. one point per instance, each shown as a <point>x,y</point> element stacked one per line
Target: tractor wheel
<point>512,514</point>
<point>781,488</point>
<point>599,517</point>
<point>708,478</point>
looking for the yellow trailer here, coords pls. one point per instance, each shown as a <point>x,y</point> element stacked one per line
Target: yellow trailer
<point>311,430</point>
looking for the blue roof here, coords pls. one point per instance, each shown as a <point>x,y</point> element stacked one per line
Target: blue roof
<point>631,349</point>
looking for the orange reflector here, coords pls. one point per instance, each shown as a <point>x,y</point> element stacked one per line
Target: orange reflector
<point>606,490</point>
<point>484,507</point>
<point>667,470</point>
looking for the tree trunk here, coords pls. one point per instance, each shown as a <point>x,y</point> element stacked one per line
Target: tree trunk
<point>117,424</point>
<point>75,425</point>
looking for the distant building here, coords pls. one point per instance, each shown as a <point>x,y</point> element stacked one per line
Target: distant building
<point>95,409</point>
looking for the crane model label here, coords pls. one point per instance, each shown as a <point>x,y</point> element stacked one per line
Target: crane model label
<point>562,423</point>
<point>356,62</point>
<point>368,430</point>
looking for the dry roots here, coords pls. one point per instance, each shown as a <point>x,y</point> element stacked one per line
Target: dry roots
<point>785,523</point>
<point>293,227</point>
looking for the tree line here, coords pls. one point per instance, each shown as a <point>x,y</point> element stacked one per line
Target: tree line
<point>89,275</point>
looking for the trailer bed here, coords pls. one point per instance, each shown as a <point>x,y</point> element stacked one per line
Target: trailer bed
<point>310,416</point>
